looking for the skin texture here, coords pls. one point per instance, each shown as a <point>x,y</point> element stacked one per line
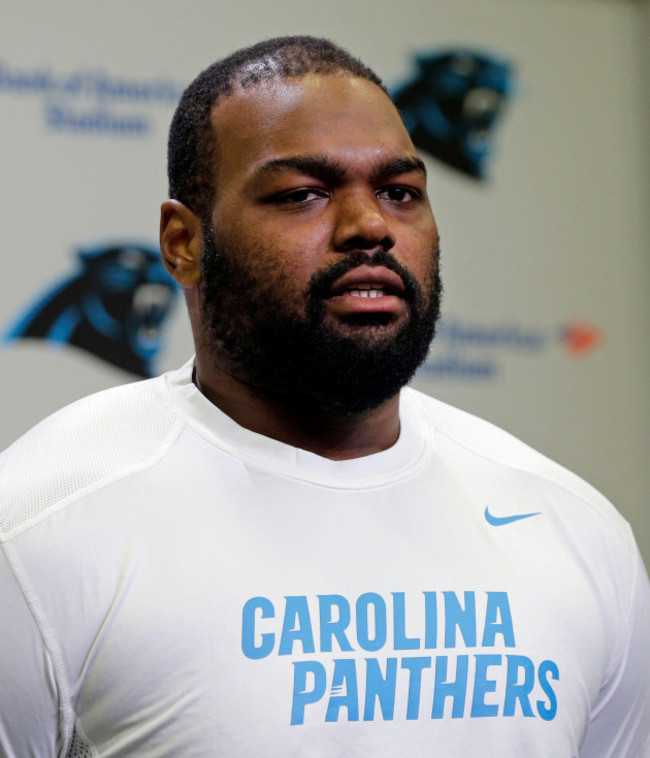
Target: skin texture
<point>308,171</point>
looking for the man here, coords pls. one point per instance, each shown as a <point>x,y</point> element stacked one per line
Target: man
<point>275,550</point>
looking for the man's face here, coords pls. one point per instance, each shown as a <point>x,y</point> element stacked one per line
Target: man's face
<point>320,268</point>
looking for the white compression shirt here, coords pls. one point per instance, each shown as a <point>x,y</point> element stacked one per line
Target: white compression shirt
<point>172,584</point>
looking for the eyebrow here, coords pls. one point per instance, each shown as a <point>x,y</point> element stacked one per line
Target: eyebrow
<point>397,166</point>
<point>332,172</point>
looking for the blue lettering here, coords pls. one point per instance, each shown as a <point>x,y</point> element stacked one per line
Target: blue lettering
<point>381,688</point>
<point>73,84</point>
<point>516,690</point>
<point>400,640</point>
<point>498,607</point>
<point>415,667</point>
<point>345,676</point>
<point>363,635</point>
<point>483,685</point>
<point>463,618</point>
<point>547,669</point>
<point>267,640</point>
<point>303,696</point>
<point>455,690</point>
<point>430,621</point>
<point>54,116</point>
<point>296,626</point>
<point>330,628</point>
<point>96,121</point>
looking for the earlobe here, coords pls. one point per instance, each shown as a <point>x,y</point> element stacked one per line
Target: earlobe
<point>181,243</point>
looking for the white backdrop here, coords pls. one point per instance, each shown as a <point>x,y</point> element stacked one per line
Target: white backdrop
<point>556,239</point>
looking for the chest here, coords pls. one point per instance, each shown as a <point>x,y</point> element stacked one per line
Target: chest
<point>244,616</point>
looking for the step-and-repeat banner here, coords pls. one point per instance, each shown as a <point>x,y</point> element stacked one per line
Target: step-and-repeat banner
<point>529,115</point>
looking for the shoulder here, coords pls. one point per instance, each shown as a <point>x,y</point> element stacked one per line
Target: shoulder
<point>82,447</point>
<point>482,444</point>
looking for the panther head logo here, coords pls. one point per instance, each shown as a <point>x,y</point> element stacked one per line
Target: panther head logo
<point>114,306</point>
<point>451,106</point>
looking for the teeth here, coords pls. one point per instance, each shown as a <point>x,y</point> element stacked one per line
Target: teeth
<point>366,293</point>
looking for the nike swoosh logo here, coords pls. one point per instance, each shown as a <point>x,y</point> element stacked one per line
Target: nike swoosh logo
<point>501,520</point>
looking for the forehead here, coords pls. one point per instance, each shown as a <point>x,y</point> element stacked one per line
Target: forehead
<point>348,119</point>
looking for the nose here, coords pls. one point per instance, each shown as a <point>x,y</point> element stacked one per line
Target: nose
<point>361,224</point>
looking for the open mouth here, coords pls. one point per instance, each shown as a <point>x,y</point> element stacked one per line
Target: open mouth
<point>369,282</point>
<point>367,290</point>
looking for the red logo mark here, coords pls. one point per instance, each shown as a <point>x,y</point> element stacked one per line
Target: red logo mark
<point>581,338</point>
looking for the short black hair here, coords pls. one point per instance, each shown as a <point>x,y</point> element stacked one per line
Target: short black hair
<point>191,153</point>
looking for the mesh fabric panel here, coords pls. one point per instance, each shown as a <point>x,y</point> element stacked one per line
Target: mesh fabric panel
<point>90,441</point>
<point>79,748</point>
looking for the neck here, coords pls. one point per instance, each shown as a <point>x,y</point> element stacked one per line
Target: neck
<point>333,437</point>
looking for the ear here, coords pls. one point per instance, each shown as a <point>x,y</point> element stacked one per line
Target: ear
<point>181,242</point>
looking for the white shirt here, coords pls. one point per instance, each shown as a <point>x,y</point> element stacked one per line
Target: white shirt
<point>175,585</point>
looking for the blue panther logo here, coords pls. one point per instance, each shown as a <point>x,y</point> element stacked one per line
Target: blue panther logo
<point>113,306</point>
<point>452,104</point>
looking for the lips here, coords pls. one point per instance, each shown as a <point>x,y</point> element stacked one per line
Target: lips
<point>367,290</point>
<point>369,282</point>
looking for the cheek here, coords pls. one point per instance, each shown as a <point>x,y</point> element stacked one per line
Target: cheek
<point>421,257</point>
<point>279,278</point>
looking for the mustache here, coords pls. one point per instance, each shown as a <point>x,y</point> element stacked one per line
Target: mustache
<point>321,283</point>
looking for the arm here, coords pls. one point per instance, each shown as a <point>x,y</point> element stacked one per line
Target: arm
<point>29,692</point>
<point>620,720</point>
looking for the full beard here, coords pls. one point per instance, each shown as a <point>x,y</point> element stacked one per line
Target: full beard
<point>301,358</point>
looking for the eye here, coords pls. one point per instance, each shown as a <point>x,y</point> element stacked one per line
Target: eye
<point>398,194</point>
<point>300,196</point>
